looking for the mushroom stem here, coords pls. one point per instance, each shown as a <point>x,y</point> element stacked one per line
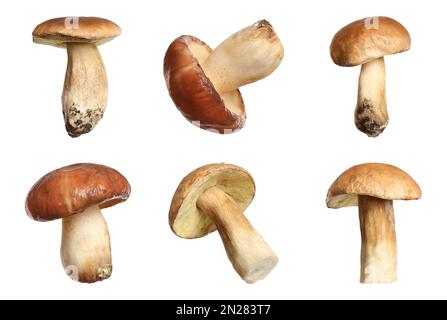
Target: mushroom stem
<point>85,248</point>
<point>245,57</point>
<point>379,248</point>
<point>371,115</point>
<point>251,256</point>
<point>84,97</point>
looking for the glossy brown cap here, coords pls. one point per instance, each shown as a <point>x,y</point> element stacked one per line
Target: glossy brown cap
<point>185,219</point>
<point>377,180</point>
<point>57,32</point>
<point>194,94</point>
<point>368,39</point>
<point>70,190</point>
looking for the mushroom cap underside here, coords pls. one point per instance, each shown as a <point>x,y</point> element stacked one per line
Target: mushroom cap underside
<point>185,218</point>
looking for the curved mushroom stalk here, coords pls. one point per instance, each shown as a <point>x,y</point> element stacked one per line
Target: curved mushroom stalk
<point>84,97</point>
<point>247,56</point>
<point>371,115</point>
<point>85,250</point>
<point>251,256</point>
<point>379,248</point>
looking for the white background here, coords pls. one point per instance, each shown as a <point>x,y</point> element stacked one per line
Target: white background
<point>299,136</point>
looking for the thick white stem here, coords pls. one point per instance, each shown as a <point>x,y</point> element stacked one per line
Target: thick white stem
<point>379,247</point>
<point>247,56</point>
<point>251,256</point>
<point>85,249</point>
<point>371,115</point>
<point>84,98</point>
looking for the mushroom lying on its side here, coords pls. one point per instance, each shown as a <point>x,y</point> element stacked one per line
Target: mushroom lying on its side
<point>204,83</point>
<point>84,97</point>
<point>76,194</point>
<point>215,197</point>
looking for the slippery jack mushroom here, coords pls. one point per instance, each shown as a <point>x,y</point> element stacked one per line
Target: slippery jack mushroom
<point>365,42</point>
<point>215,197</point>
<point>204,83</point>
<point>77,194</point>
<point>373,187</point>
<point>84,97</point>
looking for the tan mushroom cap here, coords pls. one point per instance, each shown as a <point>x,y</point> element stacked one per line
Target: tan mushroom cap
<point>377,180</point>
<point>70,190</point>
<point>57,32</point>
<point>368,39</point>
<point>185,219</point>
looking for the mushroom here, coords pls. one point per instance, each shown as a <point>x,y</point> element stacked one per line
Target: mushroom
<point>204,84</point>
<point>365,42</point>
<point>215,197</point>
<point>84,97</point>
<point>373,187</point>
<point>77,194</point>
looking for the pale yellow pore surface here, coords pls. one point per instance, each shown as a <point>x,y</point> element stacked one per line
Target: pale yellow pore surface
<point>85,247</point>
<point>186,219</point>
<point>232,99</point>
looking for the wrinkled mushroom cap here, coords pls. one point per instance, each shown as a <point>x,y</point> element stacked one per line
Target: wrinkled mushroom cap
<point>57,32</point>
<point>377,180</point>
<point>194,94</point>
<point>72,189</point>
<point>185,219</point>
<point>368,39</point>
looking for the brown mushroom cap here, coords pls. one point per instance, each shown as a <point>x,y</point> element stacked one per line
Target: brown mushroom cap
<point>368,39</point>
<point>72,189</point>
<point>185,219</point>
<point>377,180</point>
<point>192,91</point>
<point>57,32</point>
